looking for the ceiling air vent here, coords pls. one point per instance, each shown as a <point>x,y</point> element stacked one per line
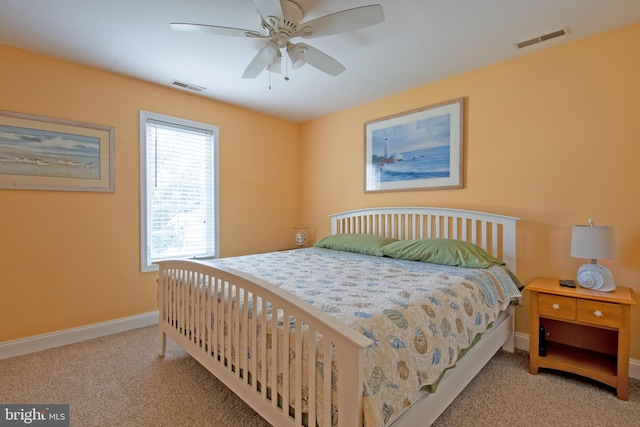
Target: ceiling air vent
<point>543,38</point>
<point>186,86</point>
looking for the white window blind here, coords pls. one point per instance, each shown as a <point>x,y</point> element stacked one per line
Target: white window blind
<point>179,189</point>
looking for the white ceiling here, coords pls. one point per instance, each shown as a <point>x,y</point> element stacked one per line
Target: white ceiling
<point>419,42</point>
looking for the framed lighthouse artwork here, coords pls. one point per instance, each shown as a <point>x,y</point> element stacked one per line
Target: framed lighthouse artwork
<point>420,149</point>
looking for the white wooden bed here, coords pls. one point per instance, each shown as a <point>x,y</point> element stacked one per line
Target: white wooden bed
<point>180,282</point>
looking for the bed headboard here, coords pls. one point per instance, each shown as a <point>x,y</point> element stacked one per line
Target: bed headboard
<point>494,233</point>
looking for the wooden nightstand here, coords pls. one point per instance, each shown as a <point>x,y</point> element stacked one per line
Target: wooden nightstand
<point>586,332</point>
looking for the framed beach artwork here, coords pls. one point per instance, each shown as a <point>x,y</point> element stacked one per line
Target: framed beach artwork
<point>42,153</point>
<point>417,150</point>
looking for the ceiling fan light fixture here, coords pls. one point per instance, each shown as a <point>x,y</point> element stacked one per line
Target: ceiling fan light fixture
<point>276,67</point>
<point>269,53</point>
<point>296,54</point>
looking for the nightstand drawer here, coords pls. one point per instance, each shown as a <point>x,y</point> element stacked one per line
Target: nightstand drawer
<point>599,313</point>
<point>557,306</point>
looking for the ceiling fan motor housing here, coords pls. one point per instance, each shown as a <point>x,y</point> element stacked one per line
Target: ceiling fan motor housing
<point>280,32</point>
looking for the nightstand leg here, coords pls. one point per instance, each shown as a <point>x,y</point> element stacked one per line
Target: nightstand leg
<point>622,386</point>
<point>534,334</point>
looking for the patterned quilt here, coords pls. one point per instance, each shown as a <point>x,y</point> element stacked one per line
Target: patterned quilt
<point>419,316</point>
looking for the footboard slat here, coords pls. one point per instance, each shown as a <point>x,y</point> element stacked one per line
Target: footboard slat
<point>188,323</point>
<point>272,376</point>
<point>208,323</point>
<point>255,338</point>
<point>326,383</point>
<point>245,337</point>
<point>235,327</point>
<point>263,346</point>
<point>215,318</point>
<point>311,368</point>
<point>284,351</point>
<point>199,315</point>
<point>226,326</point>
<point>180,293</point>
<point>253,342</point>
<point>298,360</point>
<point>189,313</point>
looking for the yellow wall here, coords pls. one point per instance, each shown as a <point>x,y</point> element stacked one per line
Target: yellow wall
<point>552,137</point>
<point>69,259</point>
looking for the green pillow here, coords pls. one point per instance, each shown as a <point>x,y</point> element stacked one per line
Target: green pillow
<point>360,243</point>
<point>441,251</point>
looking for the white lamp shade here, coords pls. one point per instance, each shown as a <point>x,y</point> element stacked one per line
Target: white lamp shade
<point>276,66</point>
<point>269,52</point>
<point>593,242</point>
<point>296,54</point>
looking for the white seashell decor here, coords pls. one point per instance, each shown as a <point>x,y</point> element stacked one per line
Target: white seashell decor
<point>596,277</point>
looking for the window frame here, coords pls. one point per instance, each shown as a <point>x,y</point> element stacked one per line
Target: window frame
<point>145,264</point>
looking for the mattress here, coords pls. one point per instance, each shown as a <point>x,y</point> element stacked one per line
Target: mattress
<point>420,317</point>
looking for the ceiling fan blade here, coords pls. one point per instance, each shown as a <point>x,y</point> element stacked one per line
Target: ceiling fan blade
<point>255,67</point>
<point>339,22</point>
<point>215,30</point>
<point>321,60</point>
<point>269,8</point>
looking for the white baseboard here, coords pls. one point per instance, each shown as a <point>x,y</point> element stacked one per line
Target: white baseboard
<point>96,330</point>
<point>74,335</point>
<point>522,343</point>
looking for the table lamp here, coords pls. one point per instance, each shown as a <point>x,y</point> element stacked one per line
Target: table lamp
<point>301,236</point>
<point>594,242</point>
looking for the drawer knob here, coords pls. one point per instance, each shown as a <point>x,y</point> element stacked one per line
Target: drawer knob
<point>597,313</point>
<point>555,306</point>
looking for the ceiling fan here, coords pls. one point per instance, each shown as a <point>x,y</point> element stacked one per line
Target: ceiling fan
<point>281,20</point>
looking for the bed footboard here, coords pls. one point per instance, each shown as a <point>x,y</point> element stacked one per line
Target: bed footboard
<point>227,320</point>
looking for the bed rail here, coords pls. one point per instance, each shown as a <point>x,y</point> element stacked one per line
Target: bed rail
<point>225,306</point>
<point>494,233</point>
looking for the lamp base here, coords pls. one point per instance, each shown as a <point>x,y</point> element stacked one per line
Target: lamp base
<point>596,277</point>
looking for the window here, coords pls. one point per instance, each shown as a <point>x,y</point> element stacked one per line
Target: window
<point>178,189</point>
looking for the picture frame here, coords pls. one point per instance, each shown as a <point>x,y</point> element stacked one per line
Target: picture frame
<point>44,153</point>
<point>421,149</point>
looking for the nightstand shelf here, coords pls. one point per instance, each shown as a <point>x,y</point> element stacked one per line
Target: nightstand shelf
<point>588,363</point>
<point>585,332</point>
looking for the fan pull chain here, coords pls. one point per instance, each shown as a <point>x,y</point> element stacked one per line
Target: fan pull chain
<point>286,65</point>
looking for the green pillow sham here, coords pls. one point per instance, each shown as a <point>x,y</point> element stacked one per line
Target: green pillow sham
<point>441,251</point>
<point>366,244</point>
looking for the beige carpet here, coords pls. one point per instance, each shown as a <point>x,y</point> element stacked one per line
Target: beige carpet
<point>120,381</point>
